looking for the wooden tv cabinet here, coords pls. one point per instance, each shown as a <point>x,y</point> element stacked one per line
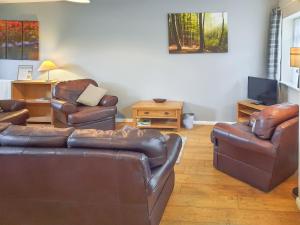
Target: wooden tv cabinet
<point>246,108</point>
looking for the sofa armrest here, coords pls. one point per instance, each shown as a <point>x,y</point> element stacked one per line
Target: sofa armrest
<point>63,106</point>
<point>12,105</point>
<point>241,138</point>
<point>109,100</point>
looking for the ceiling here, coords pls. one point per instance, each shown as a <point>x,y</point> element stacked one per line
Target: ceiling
<point>28,1</point>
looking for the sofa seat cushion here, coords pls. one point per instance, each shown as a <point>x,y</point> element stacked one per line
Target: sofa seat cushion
<point>16,117</point>
<point>268,119</point>
<point>88,114</point>
<point>149,142</point>
<point>20,136</point>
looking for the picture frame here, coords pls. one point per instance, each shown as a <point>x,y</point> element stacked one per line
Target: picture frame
<point>204,32</point>
<point>25,72</point>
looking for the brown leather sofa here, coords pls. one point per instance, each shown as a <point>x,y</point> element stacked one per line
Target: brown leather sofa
<point>85,177</point>
<point>262,152</point>
<point>68,113</point>
<point>14,112</point>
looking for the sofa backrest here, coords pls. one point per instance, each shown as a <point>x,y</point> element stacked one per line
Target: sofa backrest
<point>70,90</point>
<point>149,142</point>
<point>21,136</point>
<point>268,119</point>
<point>63,186</point>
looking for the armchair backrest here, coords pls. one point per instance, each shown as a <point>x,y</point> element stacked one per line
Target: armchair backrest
<point>270,118</point>
<point>70,90</point>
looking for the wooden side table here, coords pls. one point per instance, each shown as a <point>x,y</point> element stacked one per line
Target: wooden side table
<point>165,115</point>
<point>37,94</point>
<point>246,108</point>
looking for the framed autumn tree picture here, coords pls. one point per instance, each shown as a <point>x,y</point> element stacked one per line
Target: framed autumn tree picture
<point>198,33</point>
<point>19,40</point>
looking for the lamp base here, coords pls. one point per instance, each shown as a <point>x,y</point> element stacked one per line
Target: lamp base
<point>296,192</point>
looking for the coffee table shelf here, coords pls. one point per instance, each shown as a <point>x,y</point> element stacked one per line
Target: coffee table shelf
<point>162,115</point>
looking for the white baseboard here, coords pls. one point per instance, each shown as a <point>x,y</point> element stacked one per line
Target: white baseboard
<point>210,123</point>
<point>298,202</point>
<point>124,120</point>
<point>207,123</point>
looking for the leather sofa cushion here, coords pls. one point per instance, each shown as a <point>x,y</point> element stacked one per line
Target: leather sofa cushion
<point>149,142</point>
<point>268,119</point>
<point>20,136</point>
<point>89,114</point>
<point>15,117</point>
<point>4,126</point>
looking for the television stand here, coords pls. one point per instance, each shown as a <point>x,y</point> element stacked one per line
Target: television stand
<point>245,108</point>
<point>257,102</point>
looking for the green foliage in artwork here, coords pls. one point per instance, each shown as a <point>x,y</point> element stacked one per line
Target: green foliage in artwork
<point>198,32</point>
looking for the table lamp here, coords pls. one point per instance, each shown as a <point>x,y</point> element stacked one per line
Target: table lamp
<point>47,66</point>
<point>295,62</point>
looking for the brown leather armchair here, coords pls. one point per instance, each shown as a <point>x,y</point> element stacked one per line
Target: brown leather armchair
<point>263,152</point>
<point>13,112</point>
<point>68,113</point>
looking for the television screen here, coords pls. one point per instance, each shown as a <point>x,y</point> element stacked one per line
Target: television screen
<point>264,91</point>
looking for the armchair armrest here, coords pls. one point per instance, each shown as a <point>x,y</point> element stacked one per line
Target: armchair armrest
<point>109,100</point>
<point>12,105</point>
<point>241,138</point>
<point>63,106</point>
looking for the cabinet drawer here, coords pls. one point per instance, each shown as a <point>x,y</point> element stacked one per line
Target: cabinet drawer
<point>157,113</point>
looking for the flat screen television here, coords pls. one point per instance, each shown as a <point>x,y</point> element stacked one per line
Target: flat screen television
<point>263,91</point>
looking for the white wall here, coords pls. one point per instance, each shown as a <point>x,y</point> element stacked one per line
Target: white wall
<point>124,45</point>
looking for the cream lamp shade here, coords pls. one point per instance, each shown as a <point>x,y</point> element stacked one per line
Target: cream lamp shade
<point>47,66</point>
<point>295,57</point>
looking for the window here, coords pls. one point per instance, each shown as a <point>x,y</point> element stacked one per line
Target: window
<point>290,38</point>
<point>296,43</point>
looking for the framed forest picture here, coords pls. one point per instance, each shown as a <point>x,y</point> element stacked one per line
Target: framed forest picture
<point>198,33</point>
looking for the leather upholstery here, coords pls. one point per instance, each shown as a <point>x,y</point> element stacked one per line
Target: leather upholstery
<point>4,126</point>
<point>35,137</point>
<point>14,112</point>
<point>67,186</point>
<point>87,114</point>
<point>149,142</point>
<point>63,106</point>
<point>71,90</point>
<point>68,113</point>
<point>262,163</point>
<point>109,100</point>
<point>12,105</point>
<point>270,118</point>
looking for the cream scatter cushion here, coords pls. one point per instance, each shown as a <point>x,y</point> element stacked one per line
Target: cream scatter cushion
<point>91,95</point>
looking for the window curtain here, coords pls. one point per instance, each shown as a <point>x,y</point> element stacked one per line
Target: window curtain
<point>274,46</point>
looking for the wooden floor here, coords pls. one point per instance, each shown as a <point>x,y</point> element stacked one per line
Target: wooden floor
<point>205,196</point>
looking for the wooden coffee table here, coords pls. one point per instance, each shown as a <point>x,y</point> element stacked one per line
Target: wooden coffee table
<point>165,115</point>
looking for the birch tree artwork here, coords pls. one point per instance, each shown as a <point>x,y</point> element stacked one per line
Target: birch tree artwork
<point>198,33</point>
